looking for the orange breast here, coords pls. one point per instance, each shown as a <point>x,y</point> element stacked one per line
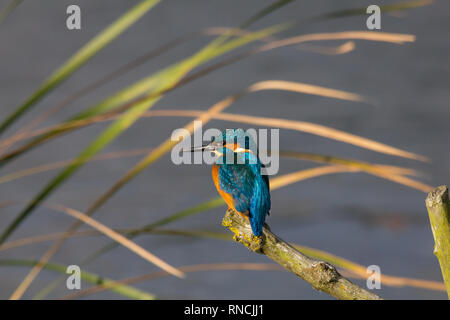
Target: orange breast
<point>227,197</point>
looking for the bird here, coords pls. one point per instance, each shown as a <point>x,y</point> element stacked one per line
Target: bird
<point>237,176</point>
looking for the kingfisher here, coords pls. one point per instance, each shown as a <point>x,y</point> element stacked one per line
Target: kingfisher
<point>237,176</point>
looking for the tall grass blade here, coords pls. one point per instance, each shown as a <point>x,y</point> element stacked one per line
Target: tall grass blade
<point>264,12</point>
<point>60,164</point>
<point>399,6</point>
<point>9,9</point>
<point>376,170</point>
<point>190,268</point>
<point>124,290</point>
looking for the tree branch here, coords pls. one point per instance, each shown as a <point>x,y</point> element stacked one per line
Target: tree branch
<point>438,206</point>
<point>321,275</point>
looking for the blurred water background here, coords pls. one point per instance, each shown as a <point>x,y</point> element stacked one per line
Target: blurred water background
<point>360,217</point>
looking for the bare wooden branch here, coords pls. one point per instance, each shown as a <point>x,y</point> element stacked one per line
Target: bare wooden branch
<point>438,206</point>
<point>321,275</point>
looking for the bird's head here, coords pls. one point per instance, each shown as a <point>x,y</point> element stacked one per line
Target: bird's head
<point>230,141</point>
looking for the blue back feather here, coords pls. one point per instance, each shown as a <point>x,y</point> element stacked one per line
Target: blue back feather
<point>250,190</point>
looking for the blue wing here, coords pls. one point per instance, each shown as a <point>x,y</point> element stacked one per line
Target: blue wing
<point>249,190</point>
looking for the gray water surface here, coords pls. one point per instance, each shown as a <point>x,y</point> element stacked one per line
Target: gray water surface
<point>359,217</point>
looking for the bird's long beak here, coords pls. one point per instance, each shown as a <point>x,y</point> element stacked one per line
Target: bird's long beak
<point>206,147</point>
